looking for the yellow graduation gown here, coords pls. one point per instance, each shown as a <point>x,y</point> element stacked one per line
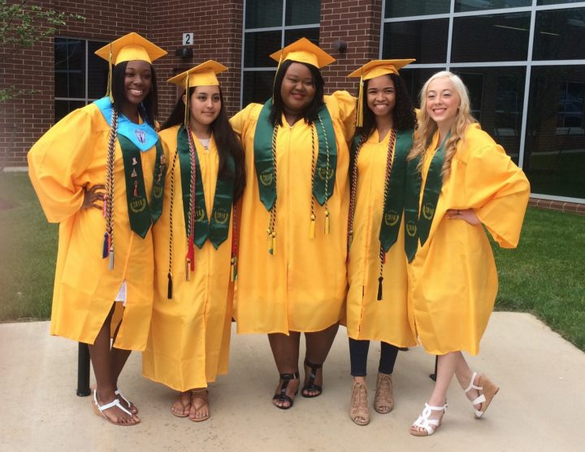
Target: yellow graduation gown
<point>189,338</point>
<point>453,281</point>
<point>301,287</point>
<point>367,318</point>
<point>72,156</point>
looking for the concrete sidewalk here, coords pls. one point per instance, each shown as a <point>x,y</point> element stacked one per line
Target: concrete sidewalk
<point>539,407</point>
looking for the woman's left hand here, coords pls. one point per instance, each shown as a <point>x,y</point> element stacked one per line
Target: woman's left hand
<point>463,214</point>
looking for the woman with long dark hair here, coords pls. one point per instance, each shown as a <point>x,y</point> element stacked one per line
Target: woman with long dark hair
<point>292,276</point>
<point>460,182</point>
<point>195,244</point>
<point>377,297</point>
<point>99,172</point>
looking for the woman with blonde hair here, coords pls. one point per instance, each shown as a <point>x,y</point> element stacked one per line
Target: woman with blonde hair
<point>459,180</point>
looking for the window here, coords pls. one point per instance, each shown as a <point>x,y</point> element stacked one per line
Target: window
<point>268,27</point>
<point>80,75</point>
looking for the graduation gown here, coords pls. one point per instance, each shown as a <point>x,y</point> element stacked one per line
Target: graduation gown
<point>189,338</point>
<point>368,318</point>
<point>302,286</point>
<point>453,281</point>
<point>72,156</point>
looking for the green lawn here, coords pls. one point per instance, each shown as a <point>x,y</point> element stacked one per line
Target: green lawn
<point>544,276</point>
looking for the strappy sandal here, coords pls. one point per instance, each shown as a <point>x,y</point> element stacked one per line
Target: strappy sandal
<point>487,390</point>
<point>384,398</point>
<point>358,407</point>
<point>424,421</point>
<point>133,409</point>
<point>181,399</point>
<point>281,395</point>
<point>311,386</point>
<point>99,410</point>
<point>202,394</point>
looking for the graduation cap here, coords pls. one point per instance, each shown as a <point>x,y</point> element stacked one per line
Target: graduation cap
<point>373,69</point>
<point>130,47</point>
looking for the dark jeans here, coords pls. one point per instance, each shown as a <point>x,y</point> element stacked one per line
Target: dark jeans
<point>358,356</point>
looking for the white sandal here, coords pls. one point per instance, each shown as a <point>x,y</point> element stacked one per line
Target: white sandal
<point>99,410</point>
<point>424,421</point>
<point>487,390</point>
<point>118,393</point>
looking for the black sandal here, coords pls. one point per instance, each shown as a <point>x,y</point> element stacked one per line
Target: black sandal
<point>281,395</point>
<point>311,386</point>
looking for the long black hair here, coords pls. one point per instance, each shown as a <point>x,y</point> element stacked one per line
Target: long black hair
<point>311,112</point>
<point>149,107</point>
<point>225,138</point>
<point>403,114</point>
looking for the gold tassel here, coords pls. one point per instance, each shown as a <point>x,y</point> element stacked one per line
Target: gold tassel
<point>360,110</point>
<point>187,267</point>
<point>273,243</point>
<point>110,69</point>
<point>187,101</point>
<point>234,268</point>
<point>327,222</point>
<point>312,227</point>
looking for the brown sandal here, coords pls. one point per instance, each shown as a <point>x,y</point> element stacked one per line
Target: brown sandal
<point>181,400</point>
<point>384,398</point>
<point>200,394</point>
<point>358,407</point>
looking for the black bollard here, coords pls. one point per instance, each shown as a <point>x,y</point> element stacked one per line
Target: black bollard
<point>83,371</point>
<point>433,376</point>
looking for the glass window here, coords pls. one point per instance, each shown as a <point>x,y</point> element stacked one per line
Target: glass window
<point>312,34</point>
<point>302,12</point>
<point>259,46</point>
<point>415,79</point>
<point>257,86</point>
<point>502,37</point>
<point>403,8</point>
<point>425,40</point>
<point>262,14</point>
<point>80,75</point>
<point>479,5</point>
<point>558,33</point>
<point>554,2</point>
<point>554,155</point>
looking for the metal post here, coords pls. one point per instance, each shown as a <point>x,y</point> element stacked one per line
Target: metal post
<point>433,376</point>
<point>83,371</point>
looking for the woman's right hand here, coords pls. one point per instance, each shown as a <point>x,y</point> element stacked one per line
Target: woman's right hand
<point>93,196</point>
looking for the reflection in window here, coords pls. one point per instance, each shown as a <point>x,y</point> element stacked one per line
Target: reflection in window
<point>302,20</point>
<point>501,37</point>
<point>425,40</point>
<point>554,157</point>
<point>571,105</point>
<point>80,75</point>
<point>402,8</point>
<point>560,35</point>
<point>478,5</point>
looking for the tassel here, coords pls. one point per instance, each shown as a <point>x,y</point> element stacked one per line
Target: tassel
<point>170,286</point>
<point>106,248</point>
<point>272,249</point>
<point>327,222</point>
<point>234,272</point>
<point>360,107</point>
<point>312,227</point>
<point>380,279</point>
<point>191,253</point>
<point>187,267</point>
<point>111,262</point>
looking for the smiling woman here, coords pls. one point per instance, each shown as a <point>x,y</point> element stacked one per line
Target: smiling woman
<point>99,172</point>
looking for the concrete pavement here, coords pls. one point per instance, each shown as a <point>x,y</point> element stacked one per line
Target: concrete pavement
<point>540,406</point>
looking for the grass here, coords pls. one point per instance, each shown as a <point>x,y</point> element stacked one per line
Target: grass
<point>543,276</point>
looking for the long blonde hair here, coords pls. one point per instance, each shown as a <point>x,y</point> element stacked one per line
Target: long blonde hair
<point>427,126</point>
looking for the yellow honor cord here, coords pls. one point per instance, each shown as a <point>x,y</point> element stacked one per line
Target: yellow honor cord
<point>312,227</point>
<point>327,221</point>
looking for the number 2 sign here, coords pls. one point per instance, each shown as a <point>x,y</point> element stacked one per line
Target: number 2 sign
<point>188,39</point>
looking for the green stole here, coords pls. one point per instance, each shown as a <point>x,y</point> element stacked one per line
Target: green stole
<point>394,204</point>
<point>217,229</point>
<point>419,215</point>
<point>324,178</point>
<point>140,214</point>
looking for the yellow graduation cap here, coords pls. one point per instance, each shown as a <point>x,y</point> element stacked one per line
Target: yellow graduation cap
<point>303,51</point>
<point>130,47</point>
<point>204,74</point>
<point>373,69</point>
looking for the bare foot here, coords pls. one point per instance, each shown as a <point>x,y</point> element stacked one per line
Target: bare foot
<point>182,406</point>
<point>199,405</point>
<point>125,402</point>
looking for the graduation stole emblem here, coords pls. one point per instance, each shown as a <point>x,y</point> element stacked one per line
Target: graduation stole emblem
<point>140,213</point>
<point>418,215</point>
<point>324,172</point>
<point>216,228</point>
